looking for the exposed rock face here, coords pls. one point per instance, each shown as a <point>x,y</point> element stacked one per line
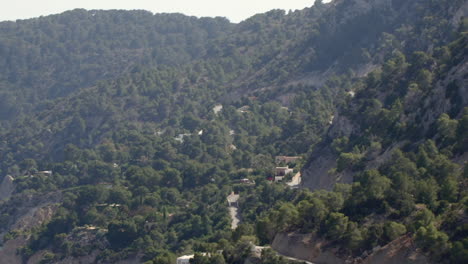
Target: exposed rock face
<point>88,239</point>
<point>7,187</point>
<point>459,14</point>
<point>399,251</point>
<point>448,96</point>
<point>319,251</point>
<point>91,242</point>
<point>8,251</point>
<point>306,247</point>
<point>29,211</point>
<point>316,172</point>
<point>34,217</point>
<point>32,211</point>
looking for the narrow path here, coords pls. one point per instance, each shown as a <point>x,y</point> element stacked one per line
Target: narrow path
<point>233,205</point>
<point>234,213</point>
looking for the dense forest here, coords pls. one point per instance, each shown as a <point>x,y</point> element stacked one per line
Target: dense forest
<point>123,132</point>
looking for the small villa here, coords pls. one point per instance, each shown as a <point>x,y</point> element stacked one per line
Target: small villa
<point>185,259</point>
<point>45,173</point>
<point>281,172</point>
<point>217,108</point>
<point>233,199</point>
<point>180,137</point>
<point>286,159</point>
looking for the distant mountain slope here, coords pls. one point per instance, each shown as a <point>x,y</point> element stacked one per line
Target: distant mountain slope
<point>48,57</point>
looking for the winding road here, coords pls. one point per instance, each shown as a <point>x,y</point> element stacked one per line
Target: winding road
<point>234,213</point>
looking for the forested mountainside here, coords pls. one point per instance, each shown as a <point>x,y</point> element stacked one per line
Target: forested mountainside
<point>50,57</point>
<point>123,133</point>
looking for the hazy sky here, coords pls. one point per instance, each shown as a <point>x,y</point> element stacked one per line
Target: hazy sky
<point>234,10</point>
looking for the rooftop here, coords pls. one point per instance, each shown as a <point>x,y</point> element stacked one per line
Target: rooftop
<point>186,257</point>
<point>232,198</point>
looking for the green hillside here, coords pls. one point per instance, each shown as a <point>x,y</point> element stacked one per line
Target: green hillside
<point>131,129</point>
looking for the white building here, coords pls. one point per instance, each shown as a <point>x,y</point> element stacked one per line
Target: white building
<point>185,259</point>
<point>281,172</point>
<point>180,137</point>
<point>46,173</point>
<point>217,108</point>
<point>233,199</point>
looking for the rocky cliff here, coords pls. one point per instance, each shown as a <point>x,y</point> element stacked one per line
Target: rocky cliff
<point>448,95</point>
<point>309,247</point>
<point>399,251</point>
<point>26,214</point>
